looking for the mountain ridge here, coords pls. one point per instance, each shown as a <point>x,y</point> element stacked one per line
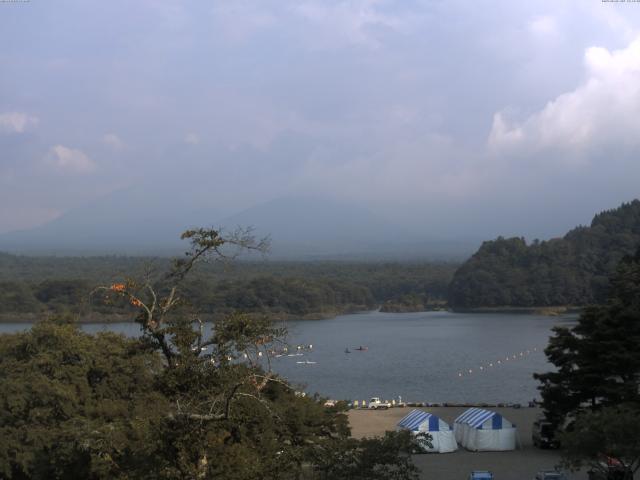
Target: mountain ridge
<point>571,270</point>
<point>302,227</point>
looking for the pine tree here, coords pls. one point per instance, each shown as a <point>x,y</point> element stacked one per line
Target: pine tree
<point>598,360</point>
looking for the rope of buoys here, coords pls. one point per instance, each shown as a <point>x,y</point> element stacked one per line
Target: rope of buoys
<point>486,366</point>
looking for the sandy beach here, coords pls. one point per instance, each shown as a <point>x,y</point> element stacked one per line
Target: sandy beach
<point>521,464</point>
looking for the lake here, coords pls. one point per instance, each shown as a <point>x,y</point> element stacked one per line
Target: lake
<point>423,357</point>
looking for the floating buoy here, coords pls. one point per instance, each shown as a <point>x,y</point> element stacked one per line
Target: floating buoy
<point>497,363</point>
<point>259,354</point>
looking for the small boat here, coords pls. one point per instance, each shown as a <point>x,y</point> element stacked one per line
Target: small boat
<point>346,350</point>
<point>362,349</point>
<point>295,355</point>
<point>307,362</point>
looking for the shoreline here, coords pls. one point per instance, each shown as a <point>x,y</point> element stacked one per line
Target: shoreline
<point>549,311</point>
<point>95,317</point>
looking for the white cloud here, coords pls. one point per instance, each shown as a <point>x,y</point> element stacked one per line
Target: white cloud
<point>17,122</point>
<point>68,159</point>
<point>113,141</point>
<point>603,111</point>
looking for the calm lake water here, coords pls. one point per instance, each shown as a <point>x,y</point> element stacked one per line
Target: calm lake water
<point>423,357</point>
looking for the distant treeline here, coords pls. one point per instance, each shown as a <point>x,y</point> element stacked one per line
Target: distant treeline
<point>36,285</point>
<point>572,270</point>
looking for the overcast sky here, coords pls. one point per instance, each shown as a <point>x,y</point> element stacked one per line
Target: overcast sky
<point>500,117</point>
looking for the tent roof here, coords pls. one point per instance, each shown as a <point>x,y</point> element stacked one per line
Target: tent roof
<point>474,417</point>
<point>415,418</point>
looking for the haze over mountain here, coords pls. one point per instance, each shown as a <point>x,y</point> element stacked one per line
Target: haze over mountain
<point>131,222</point>
<point>449,120</point>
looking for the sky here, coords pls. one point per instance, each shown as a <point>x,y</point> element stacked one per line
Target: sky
<point>493,117</point>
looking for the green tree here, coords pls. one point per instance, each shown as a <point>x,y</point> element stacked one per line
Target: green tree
<point>369,459</point>
<point>571,270</point>
<point>605,441</point>
<point>598,360</point>
<point>74,405</point>
<point>181,402</point>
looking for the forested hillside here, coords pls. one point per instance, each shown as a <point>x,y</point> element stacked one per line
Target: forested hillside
<point>572,270</point>
<point>37,285</point>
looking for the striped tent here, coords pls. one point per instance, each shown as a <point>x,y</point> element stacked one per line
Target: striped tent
<point>442,439</point>
<point>484,430</point>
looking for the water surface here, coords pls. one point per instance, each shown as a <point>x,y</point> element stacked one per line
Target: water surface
<point>418,356</point>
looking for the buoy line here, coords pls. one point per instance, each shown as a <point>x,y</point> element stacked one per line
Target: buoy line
<point>497,363</point>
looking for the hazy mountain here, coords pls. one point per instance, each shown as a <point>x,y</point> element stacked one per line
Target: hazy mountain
<point>127,221</point>
<point>315,227</point>
<point>300,227</point>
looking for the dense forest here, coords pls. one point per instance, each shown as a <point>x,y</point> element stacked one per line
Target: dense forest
<point>31,286</point>
<point>572,270</point>
<point>176,402</point>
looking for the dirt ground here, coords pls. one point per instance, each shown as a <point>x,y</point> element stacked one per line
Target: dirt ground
<point>521,464</point>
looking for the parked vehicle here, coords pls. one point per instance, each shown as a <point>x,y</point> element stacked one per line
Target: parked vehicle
<point>481,475</point>
<point>376,404</point>
<point>543,435</point>
<point>550,475</point>
<point>611,469</point>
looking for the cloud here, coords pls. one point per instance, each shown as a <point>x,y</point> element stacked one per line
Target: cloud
<point>70,160</point>
<point>113,141</point>
<point>385,101</point>
<point>602,112</point>
<point>17,122</point>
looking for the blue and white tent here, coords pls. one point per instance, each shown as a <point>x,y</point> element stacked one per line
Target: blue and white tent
<point>441,433</point>
<point>483,430</point>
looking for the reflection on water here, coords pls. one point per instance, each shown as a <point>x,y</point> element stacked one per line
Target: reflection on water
<point>418,356</point>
